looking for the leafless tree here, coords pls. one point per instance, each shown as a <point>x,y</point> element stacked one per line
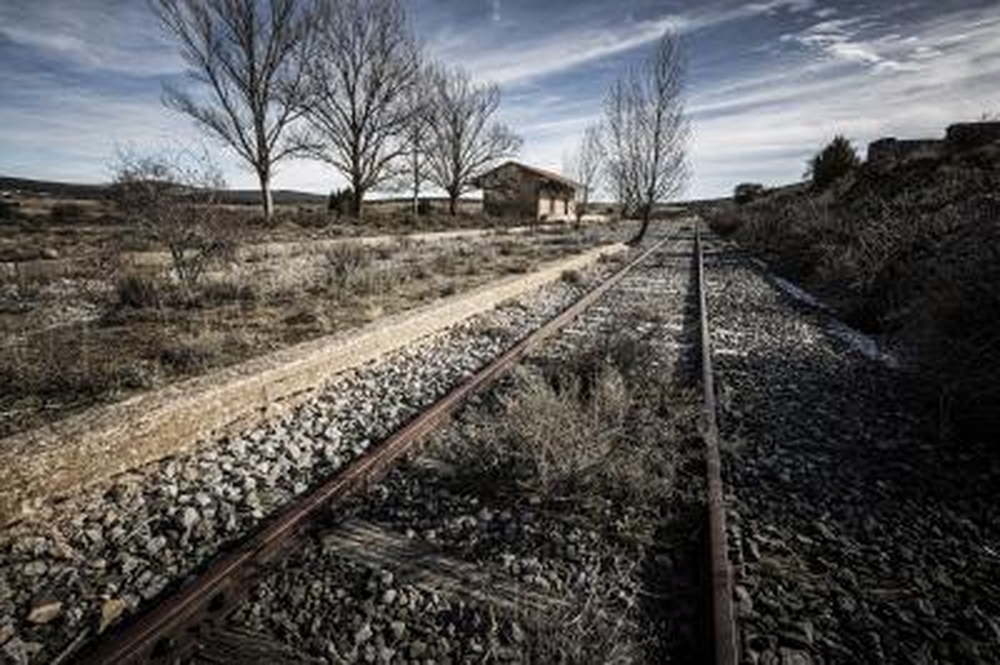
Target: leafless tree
<point>366,64</point>
<point>464,141</point>
<point>173,198</point>
<point>647,132</point>
<point>417,136</point>
<point>250,53</point>
<point>585,166</point>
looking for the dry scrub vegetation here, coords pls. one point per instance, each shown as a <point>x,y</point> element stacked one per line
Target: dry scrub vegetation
<point>912,254</point>
<point>601,442</point>
<point>106,327</point>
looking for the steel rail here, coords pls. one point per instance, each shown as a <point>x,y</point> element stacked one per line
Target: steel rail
<point>724,636</point>
<point>169,629</point>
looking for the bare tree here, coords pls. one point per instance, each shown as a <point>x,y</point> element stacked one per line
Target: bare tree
<point>417,136</point>
<point>647,132</point>
<point>464,143</point>
<point>585,166</point>
<point>365,66</point>
<point>173,198</point>
<point>250,53</point>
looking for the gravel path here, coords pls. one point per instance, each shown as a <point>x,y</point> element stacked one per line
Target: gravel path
<point>519,575</point>
<point>859,537</point>
<point>115,548</point>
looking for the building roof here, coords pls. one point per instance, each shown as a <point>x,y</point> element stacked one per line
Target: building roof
<point>540,173</point>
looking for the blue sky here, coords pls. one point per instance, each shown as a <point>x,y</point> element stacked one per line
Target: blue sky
<point>769,82</point>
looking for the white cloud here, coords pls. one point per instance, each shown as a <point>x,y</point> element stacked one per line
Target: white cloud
<point>520,58</point>
<point>763,129</point>
<point>120,37</point>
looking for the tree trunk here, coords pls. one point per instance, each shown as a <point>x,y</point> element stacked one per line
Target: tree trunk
<point>416,185</point>
<point>452,203</point>
<point>581,209</point>
<point>357,196</point>
<point>646,214</point>
<point>265,194</point>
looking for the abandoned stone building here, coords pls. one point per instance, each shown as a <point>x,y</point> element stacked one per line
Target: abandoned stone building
<point>889,152</point>
<point>517,190</point>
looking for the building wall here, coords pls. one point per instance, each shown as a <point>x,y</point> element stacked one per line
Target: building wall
<point>512,192</point>
<point>554,206</point>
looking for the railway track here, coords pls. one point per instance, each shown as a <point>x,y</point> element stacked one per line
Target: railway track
<point>195,618</point>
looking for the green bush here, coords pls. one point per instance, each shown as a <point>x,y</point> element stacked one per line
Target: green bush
<point>832,163</point>
<point>339,201</point>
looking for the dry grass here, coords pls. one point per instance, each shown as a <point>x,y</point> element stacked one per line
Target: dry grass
<point>594,430</point>
<point>109,329</point>
<point>599,440</point>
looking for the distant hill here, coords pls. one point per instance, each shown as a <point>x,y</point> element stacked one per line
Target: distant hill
<point>56,190</point>
<point>280,196</point>
<point>66,190</point>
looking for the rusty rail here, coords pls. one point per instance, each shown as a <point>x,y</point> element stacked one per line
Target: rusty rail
<point>170,629</point>
<point>724,636</point>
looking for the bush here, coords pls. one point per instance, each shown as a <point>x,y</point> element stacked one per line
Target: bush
<point>834,162</point>
<point>345,261</point>
<point>423,207</point>
<point>726,222</point>
<point>174,200</point>
<point>339,202</point>
<point>66,213</point>
<point>571,277</point>
<point>747,192</point>
<point>224,292</point>
<point>137,292</point>
<point>8,210</point>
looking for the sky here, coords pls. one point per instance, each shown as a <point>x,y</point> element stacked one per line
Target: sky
<point>768,83</point>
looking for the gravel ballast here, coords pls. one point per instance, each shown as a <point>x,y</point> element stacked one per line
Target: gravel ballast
<point>860,537</point>
<point>553,576</point>
<point>69,574</point>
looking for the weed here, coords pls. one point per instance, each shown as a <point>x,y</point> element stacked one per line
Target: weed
<point>572,277</point>
<point>345,261</point>
<point>65,213</point>
<point>224,292</point>
<point>138,292</point>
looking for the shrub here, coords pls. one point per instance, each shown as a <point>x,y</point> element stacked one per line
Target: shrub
<point>223,292</point>
<point>339,201</point>
<point>572,277</point>
<point>726,223</point>
<point>345,261</point>
<point>137,292</point>
<point>747,192</point>
<point>66,213</point>
<point>179,357</point>
<point>832,163</point>
<point>175,201</point>
<point>8,210</point>
<point>423,207</point>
